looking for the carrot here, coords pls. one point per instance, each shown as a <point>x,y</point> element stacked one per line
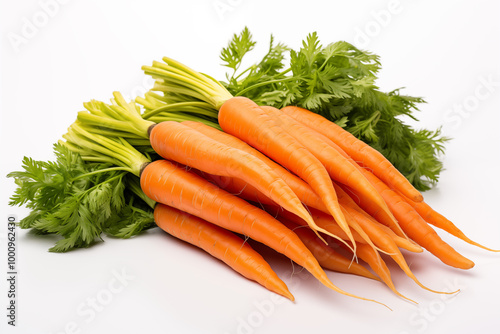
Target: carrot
<point>238,188</point>
<point>172,185</point>
<point>387,244</point>
<point>178,142</point>
<point>243,190</point>
<point>327,257</point>
<point>403,243</point>
<point>221,244</point>
<point>384,216</point>
<point>357,213</point>
<point>244,119</point>
<point>303,191</point>
<point>362,153</point>
<point>328,223</point>
<point>416,227</point>
<point>435,218</point>
<point>299,187</point>
<point>375,261</point>
<point>381,239</point>
<point>339,167</point>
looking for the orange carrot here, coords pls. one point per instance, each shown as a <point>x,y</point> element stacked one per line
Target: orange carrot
<point>299,187</point>
<point>244,119</point>
<point>238,188</point>
<point>362,153</point>
<point>415,226</point>
<point>373,259</point>
<point>440,221</point>
<point>384,216</point>
<point>327,257</point>
<point>339,167</point>
<point>403,243</point>
<point>381,239</point>
<point>328,223</point>
<point>357,213</point>
<point>172,185</point>
<point>178,142</point>
<point>221,244</point>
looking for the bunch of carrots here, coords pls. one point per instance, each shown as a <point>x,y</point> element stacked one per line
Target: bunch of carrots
<point>288,178</point>
<point>217,169</point>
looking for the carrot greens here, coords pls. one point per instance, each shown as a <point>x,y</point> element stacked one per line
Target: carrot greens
<point>337,81</point>
<point>77,200</point>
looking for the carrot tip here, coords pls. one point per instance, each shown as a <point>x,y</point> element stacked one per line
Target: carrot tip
<point>288,295</point>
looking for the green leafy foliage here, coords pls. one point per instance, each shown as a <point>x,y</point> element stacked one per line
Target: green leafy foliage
<point>77,200</point>
<point>337,81</point>
<point>232,56</point>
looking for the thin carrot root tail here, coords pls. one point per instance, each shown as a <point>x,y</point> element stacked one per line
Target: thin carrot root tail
<point>414,278</point>
<point>469,241</point>
<point>399,294</point>
<point>317,229</point>
<point>324,279</point>
<point>486,248</point>
<point>335,288</point>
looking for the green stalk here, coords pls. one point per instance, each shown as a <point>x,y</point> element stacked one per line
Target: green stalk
<point>178,118</point>
<point>119,119</point>
<point>180,79</point>
<point>134,185</point>
<point>104,170</point>
<point>197,107</point>
<point>95,147</point>
<point>106,125</point>
<point>265,83</point>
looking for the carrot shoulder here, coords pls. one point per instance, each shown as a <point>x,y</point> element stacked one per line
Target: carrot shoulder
<point>244,119</point>
<point>180,143</point>
<point>357,149</point>
<point>221,244</point>
<point>303,191</point>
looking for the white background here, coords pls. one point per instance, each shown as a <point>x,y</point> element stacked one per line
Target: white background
<point>443,51</point>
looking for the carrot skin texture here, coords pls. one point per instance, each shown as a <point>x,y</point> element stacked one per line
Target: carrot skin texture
<point>178,142</point>
<point>322,219</point>
<point>435,218</point>
<point>221,244</point>
<point>327,257</point>
<point>382,215</point>
<point>338,166</point>
<point>375,261</point>
<point>246,191</point>
<point>299,187</point>
<point>244,119</point>
<point>417,228</point>
<point>358,213</point>
<point>170,184</point>
<point>357,149</point>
